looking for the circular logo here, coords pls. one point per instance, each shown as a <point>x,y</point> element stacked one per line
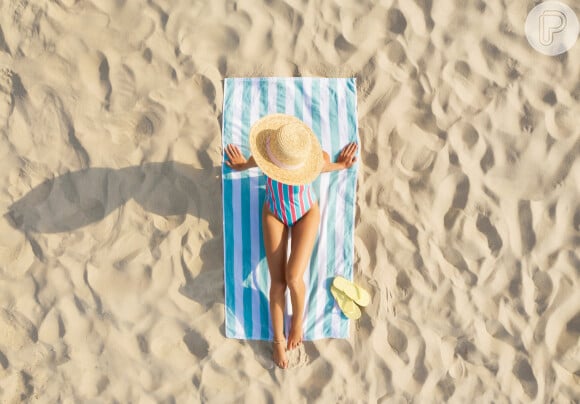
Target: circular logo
<point>552,28</point>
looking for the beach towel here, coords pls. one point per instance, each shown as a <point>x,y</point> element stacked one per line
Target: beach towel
<point>328,106</point>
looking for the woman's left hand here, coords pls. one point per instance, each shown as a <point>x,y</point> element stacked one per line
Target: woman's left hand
<point>347,156</point>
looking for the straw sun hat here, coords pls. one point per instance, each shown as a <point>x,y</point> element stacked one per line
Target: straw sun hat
<point>286,149</point>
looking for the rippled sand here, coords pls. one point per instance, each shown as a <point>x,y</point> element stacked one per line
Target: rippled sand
<point>467,228</point>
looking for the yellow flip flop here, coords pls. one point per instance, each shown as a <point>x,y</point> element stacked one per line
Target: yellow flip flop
<point>347,306</point>
<point>352,290</point>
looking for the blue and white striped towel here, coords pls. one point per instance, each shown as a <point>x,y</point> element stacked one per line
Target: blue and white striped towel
<point>328,106</point>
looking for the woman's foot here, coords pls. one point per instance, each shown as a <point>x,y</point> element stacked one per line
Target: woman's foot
<point>279,354</point>
<point>295,337</point>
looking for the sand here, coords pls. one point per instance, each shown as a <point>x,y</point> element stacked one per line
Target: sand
<point>468,208</point>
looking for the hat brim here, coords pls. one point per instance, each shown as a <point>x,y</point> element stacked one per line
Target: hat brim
<point>259,133</point>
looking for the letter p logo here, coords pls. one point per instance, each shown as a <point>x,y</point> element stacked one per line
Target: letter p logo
<point>552,28</point>
<point>551,22</point>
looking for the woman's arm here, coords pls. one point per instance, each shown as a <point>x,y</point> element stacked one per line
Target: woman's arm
<point>346,159</point>
<point>237,161</point>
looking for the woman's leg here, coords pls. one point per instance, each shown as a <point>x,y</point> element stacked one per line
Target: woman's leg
<point>275,243</point>
<point>304,234</point>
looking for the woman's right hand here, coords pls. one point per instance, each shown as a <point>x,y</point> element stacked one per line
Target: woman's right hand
<point>237,161</point>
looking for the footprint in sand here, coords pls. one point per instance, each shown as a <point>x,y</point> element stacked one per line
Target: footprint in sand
<point>393,59</point>
<point>209,88</point>
<point>415,160</point>
<point>147,124</point>
<point>404,287</point>
<point>4,361</point>
<point>525,375</point>
<point>6,104</point>
<point>104,79</point>
<point>94,71</point>
<point>55,120</point>
<point>544,287</point>
<point>460,272</point>
<point>368,236</point>
<point>196,344</point>
<point>26,17</point>
<point>17,387</point>
<point>446,387</point>
<point>343,47</point>
<point>420,371</point>
<point>147,120</point>
<point>396,21</point>
<point>471,89</point>
<point>408,230</point>
<point>398,341</point>
<point>17,330</point>
<point>459,202</point>
<point>203,38</point>
<point>573,326</point>
<point>488,160</point>
<point>3,45</point>
<point>421,141</point>
<point>123,90</point>
<point>525,220</point>
<point>467,351</point>
<point>471,148</point>
<point>484,225</point>
<point>449,201</point>
<point>52,327</point>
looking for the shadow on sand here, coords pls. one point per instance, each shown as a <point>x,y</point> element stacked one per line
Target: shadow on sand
<point>79,198</point>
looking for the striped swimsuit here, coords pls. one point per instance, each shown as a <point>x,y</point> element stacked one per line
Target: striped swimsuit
<point>288,202</point>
